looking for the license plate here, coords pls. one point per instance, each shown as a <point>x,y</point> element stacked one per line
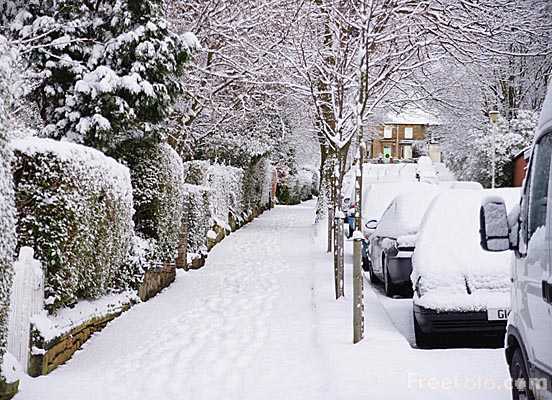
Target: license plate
<point>497,314</point>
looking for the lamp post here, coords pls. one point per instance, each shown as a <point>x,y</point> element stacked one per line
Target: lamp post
<point>493,116</point>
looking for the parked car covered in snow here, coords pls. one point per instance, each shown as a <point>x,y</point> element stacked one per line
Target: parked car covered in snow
<point>389,249</point>
<point>458,287</point>
<point>468,185</point>
<point>527,231</point>
<point>425,171</point>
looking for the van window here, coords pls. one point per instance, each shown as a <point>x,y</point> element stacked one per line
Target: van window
<point>539,184</point>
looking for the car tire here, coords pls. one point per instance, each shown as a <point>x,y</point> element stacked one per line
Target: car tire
<point>423,340</point>
<point>389,286</point>
<point>373,278</point>
<point>520,377</point>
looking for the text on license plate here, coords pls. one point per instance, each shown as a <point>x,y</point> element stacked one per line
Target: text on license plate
<point>497,314</point>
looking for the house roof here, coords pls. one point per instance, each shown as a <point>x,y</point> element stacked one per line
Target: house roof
<point>526,152</point>
<point>411,117</point>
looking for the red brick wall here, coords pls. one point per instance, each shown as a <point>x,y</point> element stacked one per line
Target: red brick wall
<point>520,167</point>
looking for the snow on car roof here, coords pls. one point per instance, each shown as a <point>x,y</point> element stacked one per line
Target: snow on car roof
<point>405,213</point>
<point>376,197</point>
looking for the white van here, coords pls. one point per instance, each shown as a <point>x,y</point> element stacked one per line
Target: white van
<point>528,231</point>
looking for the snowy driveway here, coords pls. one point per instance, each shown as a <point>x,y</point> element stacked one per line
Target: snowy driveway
<point>259,322</point>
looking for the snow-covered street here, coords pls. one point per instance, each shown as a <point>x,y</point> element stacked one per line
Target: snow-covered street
<point>260,321</point>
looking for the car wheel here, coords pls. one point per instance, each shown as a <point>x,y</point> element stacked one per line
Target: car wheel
<point>520,377</point>
<point>389,287</point>
<point>423,340</point>
<point>373,278</point>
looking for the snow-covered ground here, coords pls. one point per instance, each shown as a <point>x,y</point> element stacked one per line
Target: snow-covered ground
<point>260,322</point>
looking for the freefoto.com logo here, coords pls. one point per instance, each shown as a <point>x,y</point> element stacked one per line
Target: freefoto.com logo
<point>472,383</point>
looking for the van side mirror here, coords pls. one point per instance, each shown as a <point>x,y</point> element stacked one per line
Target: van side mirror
<point>372,224</point>
<point>370,228</point>
<point>494,228</point>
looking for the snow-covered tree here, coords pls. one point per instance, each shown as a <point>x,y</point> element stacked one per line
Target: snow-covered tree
<point>104,71</point>
<point>234,95</point>
<point>470,155</point>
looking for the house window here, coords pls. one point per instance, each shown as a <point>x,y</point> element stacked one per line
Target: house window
<point>388,132</point>
<point>409,133</point>
<point>407,151</point>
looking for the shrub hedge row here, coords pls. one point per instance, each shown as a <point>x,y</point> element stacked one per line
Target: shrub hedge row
<point>75,209</point>
<point>97,225</point>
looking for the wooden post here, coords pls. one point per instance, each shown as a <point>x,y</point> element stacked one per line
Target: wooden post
<point>358,283</point>
<point>330,215</point>
<point>358,289</point>
<point>339,253</point>
<point>358,188</point>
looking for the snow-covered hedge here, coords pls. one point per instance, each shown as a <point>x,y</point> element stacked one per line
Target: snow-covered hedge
<point>74,208</point>
<point>197,214</point>
<point>195,172</point>
<point>225,195</point>
<point>294,189</point>
<point>157,174</point>
<point>257,185</point>
<point>214,192</point>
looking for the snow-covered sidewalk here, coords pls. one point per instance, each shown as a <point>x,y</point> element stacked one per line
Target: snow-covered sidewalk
<point>260,322</point>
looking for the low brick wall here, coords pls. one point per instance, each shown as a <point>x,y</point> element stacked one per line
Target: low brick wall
<point>48,355</point>
<point>156,280</point>
<point>8,390</point>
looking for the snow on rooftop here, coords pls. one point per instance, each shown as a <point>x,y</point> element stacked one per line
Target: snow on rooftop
<point>411,117</point>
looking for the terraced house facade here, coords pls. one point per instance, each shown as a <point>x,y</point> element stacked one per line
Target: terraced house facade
<point>401,137</point>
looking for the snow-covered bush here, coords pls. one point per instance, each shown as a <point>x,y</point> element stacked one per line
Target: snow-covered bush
<point>305,180</point>
<point>106,70</point>
<point>288,190</point>
<point>195,172</point>
<point>470,155</point>
<point>197,215</point>
<point>74,208</point>
<point>315,184</point>
<point>257,185</point>
<point>293,189</point>
<point>157,174</point>
<point>225,184</point>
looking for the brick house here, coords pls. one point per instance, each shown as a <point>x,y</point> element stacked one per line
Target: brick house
<point>399,133</point>
<point>521,160</point>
